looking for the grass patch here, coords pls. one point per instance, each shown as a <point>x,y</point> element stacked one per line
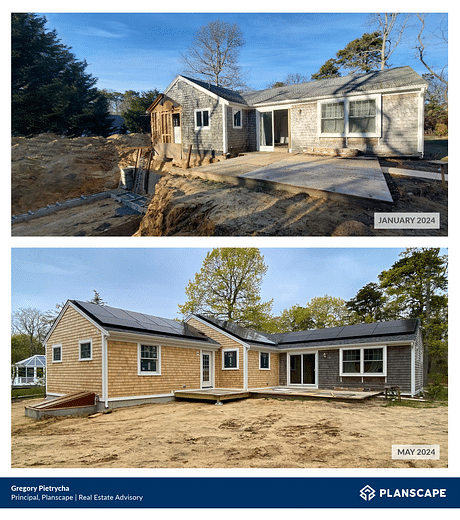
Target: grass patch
<point>416,404</point>
<point>435,147</point>
<point>30,391</point>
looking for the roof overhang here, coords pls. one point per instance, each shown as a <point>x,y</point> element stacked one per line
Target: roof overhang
<point>161,339</point>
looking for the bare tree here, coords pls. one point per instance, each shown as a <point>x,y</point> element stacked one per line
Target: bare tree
<point>390,33</point>
<point>32,324</point>
<point>422,52</point>
<point>214,54</point>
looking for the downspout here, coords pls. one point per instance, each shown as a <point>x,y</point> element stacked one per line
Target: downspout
<point>412,369</point>
<point>245,367</point>
<point>105,386</point>
<point>224,129</point>
<point>421,122</point>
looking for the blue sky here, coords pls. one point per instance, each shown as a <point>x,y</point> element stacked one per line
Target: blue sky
<point>141,51</point>
<point>153,280</point>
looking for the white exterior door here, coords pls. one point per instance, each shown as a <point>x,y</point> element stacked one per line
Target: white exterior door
<point>206,369</point>
<point>266,137</point>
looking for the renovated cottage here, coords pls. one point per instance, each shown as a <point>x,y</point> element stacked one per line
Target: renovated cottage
<point>130,358</point>
<point>379,113</point>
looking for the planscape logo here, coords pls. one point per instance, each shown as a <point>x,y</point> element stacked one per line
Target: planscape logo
<point>367,493</point>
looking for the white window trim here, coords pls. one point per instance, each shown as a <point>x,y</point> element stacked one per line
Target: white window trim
<point>361,372</point>
<point>234,111</point>
<point>52,353</point>
<point>260,360</point>
<point>90,341</point>
<point>209,118</point>
<point>237,350</point>
<point>346,101</point>
<point>145,373</point>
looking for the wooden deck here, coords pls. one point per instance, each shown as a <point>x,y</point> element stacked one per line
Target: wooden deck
<point>213,394</point>
<point>225,394</point>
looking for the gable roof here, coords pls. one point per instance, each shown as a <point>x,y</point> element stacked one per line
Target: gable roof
<point>400,77</point>
<point>119,320</point>
<point>378,80</point>
<point>379,332</point>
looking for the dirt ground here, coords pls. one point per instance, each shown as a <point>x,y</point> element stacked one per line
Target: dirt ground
<point>47,169</point>
<point>252,433</point>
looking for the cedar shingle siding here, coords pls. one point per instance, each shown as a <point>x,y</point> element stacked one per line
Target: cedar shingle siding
<point>180,348</point>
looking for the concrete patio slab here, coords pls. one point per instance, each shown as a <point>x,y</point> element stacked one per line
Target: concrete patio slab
<point>330,177</point>
<point>362,178</point>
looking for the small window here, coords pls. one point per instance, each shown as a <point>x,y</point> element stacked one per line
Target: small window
<point>237,122</point>
<point>264,361</point>
<point>149,359</point>
<point>202,118</point>
<point>85,350</point>
<point>230,359</point>
<point>57,353</point>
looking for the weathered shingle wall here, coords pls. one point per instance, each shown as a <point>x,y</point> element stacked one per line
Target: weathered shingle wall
<point>204,141</point>
<point>399,128</point>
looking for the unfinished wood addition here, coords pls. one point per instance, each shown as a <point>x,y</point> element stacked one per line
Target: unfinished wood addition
<point>161,122</point>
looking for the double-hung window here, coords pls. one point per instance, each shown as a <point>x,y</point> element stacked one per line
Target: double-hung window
<point>202,118</point>
<point>363,361</point>
<point>57,353</point>
<point>149,359</point>
<point>85,350</point>
<point>350,117</point>
<point>333,118</point>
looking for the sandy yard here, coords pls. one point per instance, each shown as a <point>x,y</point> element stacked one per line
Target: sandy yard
<point>252,433</point>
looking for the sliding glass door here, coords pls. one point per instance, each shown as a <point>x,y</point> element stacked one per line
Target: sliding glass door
<point>302,369</point>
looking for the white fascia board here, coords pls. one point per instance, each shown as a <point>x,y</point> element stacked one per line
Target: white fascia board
<point>346,346</point>
<point>411,89</point>
<point>83,314</point>
<point>163,340</point>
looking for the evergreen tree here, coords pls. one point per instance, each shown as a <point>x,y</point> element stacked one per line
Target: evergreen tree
<point>328,70</point>
<point>50,90</point>
<point>134,113</point>
<point>368,304</point>
<point>362,54</point>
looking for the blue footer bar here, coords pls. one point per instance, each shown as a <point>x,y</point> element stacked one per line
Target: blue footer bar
<point>230,492</point>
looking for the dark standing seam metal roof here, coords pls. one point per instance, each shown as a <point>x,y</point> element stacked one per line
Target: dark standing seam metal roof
<point>113,319</point>
<point>378,80</point>
<point>397,330</point>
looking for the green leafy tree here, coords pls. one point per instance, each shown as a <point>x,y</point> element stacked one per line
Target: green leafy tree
<point>134,112</point>
<point>228,288</point>
<point>50,91</point>
<point>321,312</point>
